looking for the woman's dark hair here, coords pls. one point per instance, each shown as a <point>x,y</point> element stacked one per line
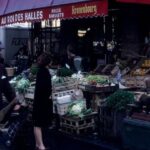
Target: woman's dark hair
<point>44,59</point>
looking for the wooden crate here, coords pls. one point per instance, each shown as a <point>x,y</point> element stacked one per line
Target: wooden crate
<point>110,122</point>
<point>77,125</point>
<point>30,93</point>
<point>96,89</point>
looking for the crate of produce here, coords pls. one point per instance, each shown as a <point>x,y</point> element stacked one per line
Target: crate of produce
<point>61,101</point>
<point>63,84</point>
<point>130,82</point>
<point>61,108</point>
<point>78,125</point>
<point>55,95</point>
<point>30,93</point>
<point>65,87</point>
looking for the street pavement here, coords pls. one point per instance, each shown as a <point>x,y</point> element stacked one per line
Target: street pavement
<point>56,140</point>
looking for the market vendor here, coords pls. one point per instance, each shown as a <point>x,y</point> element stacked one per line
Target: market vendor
<point>22,59</point>
<point>69,56</point>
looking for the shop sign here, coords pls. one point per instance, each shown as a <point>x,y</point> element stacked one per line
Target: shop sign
<point>19,41</point>
<point>79,10</point>
<point>135,1</point>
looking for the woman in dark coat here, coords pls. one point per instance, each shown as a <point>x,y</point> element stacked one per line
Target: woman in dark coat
<point>42,106</point>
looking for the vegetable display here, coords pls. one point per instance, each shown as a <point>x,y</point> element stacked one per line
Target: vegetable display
<point>94,79</point>
<point>20,83</point>
<point>63,72</point>
<point>78,108</point>
<point>118,101</point>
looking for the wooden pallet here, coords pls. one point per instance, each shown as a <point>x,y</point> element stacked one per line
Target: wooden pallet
<point>78,125</point>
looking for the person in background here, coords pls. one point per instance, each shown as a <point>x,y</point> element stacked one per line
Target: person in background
<point>22,59</point>
<point>70,56</point>
<point>42,106</point>
<point>6,89</point>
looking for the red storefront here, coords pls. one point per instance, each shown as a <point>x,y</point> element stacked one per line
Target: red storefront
<point>135,1</point>
<point>12,11</point>
<point>70,12</point>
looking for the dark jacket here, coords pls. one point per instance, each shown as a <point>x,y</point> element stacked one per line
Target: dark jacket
<point>5,87</point>
<point>42,106</point>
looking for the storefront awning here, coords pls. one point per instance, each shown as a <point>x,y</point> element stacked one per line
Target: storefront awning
<point>13,11</point>
<point>135,1</point>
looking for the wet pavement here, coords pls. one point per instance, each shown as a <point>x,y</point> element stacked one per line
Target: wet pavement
<point>56,140</point>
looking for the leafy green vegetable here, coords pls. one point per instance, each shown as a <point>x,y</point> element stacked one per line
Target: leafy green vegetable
<point>97,79</point>
<point>63,72</point>
<point>119,100</point>
<point>78,108</point>
<point>22,85</point>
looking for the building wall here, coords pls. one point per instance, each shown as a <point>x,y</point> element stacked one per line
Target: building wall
<point>134,26</point>
<point>2,39</point>
<point>14,39</point>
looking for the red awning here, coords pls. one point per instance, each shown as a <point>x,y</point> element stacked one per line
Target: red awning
<point>36,10</point>
<point>135,1</point>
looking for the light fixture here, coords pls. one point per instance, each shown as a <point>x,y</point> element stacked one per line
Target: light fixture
<point>56,23</point>
<point>81,33</point>
<point>20,25</point>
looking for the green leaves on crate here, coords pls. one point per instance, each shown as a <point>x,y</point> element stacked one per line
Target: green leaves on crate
<point>118,101</point>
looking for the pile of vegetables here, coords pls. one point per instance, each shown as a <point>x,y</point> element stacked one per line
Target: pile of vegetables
<point>78,109</point>
<point>77,76</point>
<point>14,81</point>
<point>94,79</point>
<point>118,101</point>
<point>20,83</point>
<point>57,80</point>
<point>64,72</point>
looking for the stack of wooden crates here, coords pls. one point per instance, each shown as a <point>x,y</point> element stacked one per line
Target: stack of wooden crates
<point>78,125</point>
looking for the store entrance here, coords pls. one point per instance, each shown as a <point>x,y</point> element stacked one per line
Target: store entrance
<point>87,36</point>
